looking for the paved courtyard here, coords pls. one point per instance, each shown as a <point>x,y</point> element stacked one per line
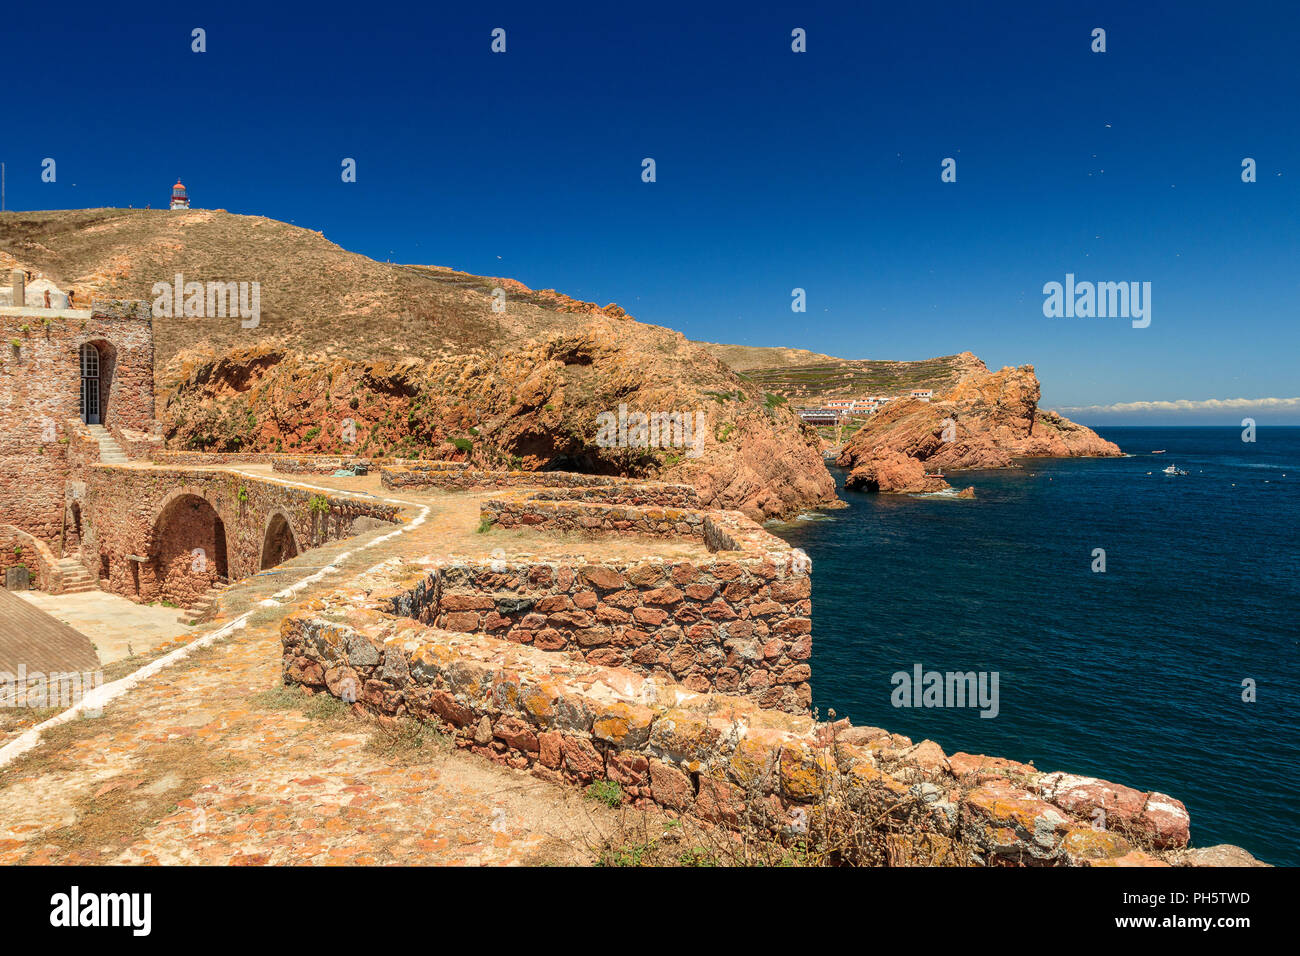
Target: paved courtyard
<point>116,627</point>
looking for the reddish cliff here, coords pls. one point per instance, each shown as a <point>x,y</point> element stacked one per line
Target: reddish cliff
<point>537,406</point>
<point>350,355</point>
<point>987,420</point>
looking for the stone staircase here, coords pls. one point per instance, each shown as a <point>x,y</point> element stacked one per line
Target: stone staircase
<point>203,607</point>
<point>110,452</point>
<point>74,576</point>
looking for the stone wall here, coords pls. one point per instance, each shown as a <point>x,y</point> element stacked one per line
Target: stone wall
<point>735,625</point>
<point>457,476</point>
<point>289,464</point>
<point>40,395</point>
<point>162,515</point>
<point>737,622</point>
<point>656,493</point>
<point>593,517</point>
<point>137,444</point>
<point>164,456</point>
<point>18,547</point>
<point>717,757</point>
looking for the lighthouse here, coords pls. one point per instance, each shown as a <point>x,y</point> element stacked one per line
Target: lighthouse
<point>180,200</point>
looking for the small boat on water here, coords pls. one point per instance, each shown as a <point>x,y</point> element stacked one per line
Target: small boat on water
<point>934,474</point>
<point>1158,451</point>
<point>1174,470</point>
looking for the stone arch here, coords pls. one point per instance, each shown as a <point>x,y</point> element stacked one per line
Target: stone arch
<point>187,549</point>
<point>99,355</point>
<point>279,541</point>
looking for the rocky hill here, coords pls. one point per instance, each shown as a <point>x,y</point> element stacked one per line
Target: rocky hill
<point>985,421</point>
<point>353,355</point>
<point>808,377</point>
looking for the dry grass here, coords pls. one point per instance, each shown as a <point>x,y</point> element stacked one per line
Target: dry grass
<point>117,813</point>
<point>315,295</point>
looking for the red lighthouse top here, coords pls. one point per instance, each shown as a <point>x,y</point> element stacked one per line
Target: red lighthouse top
<point>180,200</point>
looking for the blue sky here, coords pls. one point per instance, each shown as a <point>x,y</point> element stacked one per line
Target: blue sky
<point>775,170</point>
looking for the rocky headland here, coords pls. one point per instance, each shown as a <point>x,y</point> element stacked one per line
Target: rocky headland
<point>987,420</point>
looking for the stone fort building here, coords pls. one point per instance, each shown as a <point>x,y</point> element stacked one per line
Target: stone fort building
<point>70,380</point>
<point>86,496</point>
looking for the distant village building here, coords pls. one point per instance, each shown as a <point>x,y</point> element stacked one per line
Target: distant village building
<point>857,406</point>
<point>820,416</point>
<point>180,199</point>
<point>924,394</point>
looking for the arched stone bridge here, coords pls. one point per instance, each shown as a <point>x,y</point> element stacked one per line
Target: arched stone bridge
<point>152,534</point>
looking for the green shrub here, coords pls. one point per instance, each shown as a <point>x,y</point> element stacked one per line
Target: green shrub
<point>607,792</point>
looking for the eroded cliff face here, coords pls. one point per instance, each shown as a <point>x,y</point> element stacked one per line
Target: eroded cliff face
<point>987,420</point>
<point>538,406</point>
<point>421,360</point>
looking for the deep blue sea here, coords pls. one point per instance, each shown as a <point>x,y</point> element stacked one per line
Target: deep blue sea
<point>1133,675</point>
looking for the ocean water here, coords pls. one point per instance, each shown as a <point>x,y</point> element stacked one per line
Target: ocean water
<point>1133,674</point>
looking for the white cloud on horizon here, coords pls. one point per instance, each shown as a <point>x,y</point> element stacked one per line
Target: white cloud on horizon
<point>1189,405</point>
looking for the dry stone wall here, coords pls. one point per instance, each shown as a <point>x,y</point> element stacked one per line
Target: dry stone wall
<point>593,517</point>
<point>718,757</point>
<point>737,622</point>
<point>457,476</point>
<point>289,464</point>
<point>19,548</point>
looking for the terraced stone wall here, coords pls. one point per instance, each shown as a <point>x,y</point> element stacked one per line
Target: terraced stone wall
<point>717,757</point>
<point>457,476</point>
<point>651,510</point>
<point>738,621</point>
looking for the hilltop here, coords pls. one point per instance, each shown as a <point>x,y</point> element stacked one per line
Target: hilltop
<point>416,359</point>
<point>809,377</point>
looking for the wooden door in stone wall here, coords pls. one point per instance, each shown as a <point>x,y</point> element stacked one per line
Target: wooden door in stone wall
<point>90,412</point>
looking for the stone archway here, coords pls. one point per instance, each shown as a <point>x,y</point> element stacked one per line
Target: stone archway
<point>279,543</point>
<point>188,549</point>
